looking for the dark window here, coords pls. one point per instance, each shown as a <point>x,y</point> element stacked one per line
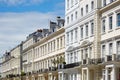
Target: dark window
<point>118,19</point>
<point>86,8</point>
<point>110,48</point>
<point>110,22</point>
<point>92,5</point>
<point>103,26</point>
<point>81,11</point>
<point>86,30</point>
<point>81,32</point>
<point>72,17</point>
<point>76,15</point>
<point>92,28</point>
<point>104,2</point>
<point>111,1</point>
<point>103,50</point>
<point>118,47</point>
<point>67,19</point>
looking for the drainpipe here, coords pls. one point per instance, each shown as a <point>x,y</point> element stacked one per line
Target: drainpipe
<point>21,60</point>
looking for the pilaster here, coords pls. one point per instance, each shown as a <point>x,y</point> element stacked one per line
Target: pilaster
<point>97,38</point>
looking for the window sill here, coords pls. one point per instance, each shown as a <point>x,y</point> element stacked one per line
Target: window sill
<point>87,37</point>
<point>92,35</point>
<point>117,28</point>
<point>110,31</point>
<point>103,33</point>
<point>71,6</point>
<point>81,39</point>
<point>76,41</point>
<point>76,3</point>
<point>71,43</point>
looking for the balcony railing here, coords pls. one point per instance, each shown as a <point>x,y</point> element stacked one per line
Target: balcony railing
<point>100,60</point>
<point>84,61</point>
<point>72,65</point>
<point>52,69</point>
<point>96,61</point>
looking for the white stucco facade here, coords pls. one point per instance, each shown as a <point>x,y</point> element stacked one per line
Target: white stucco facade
<point>92,34</point>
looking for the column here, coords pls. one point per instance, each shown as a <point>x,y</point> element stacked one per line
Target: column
<point>113,73</point>
<point>88,77</point>
<point>97,73</point>
<point>33,54</point>
<point>83,74</point>
<point>106,73</point>
<point>97,33</point>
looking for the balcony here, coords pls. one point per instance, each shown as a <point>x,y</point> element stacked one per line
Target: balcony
<point>52,69</point>
<point>100,60</point>
<point>28,73</point>
<point>24,61</point>
<point>96,61</point>
<point>72,65</point>
<point>45,70</point>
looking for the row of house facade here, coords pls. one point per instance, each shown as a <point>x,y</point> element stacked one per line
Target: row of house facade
<point>86,47</point>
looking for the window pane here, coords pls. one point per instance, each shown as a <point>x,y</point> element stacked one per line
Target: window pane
<point>81,11</point>
<point>92,5</point>
<point>104,2</point>
<point>86,30</point>
<point>103,26</point>
<point>110,22</point>
<point>76,33</point>
<point>118,47</point>
<point>103,50</point>
<point>86,8</point>
<point>82,32</point>
<point>118,19</point>
<point>92,28</point>
<point>110,48</point>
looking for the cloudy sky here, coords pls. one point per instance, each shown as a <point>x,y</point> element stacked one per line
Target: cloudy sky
<point>18,18</point>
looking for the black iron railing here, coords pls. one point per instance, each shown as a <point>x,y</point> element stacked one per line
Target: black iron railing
<point>72,65</point>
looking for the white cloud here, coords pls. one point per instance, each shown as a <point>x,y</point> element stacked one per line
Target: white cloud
<point>14,27</point>
<point>20,2</point>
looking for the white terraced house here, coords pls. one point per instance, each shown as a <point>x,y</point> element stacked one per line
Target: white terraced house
<point>10,64</point>
<point>43,50</point>
<point>92,34</point>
